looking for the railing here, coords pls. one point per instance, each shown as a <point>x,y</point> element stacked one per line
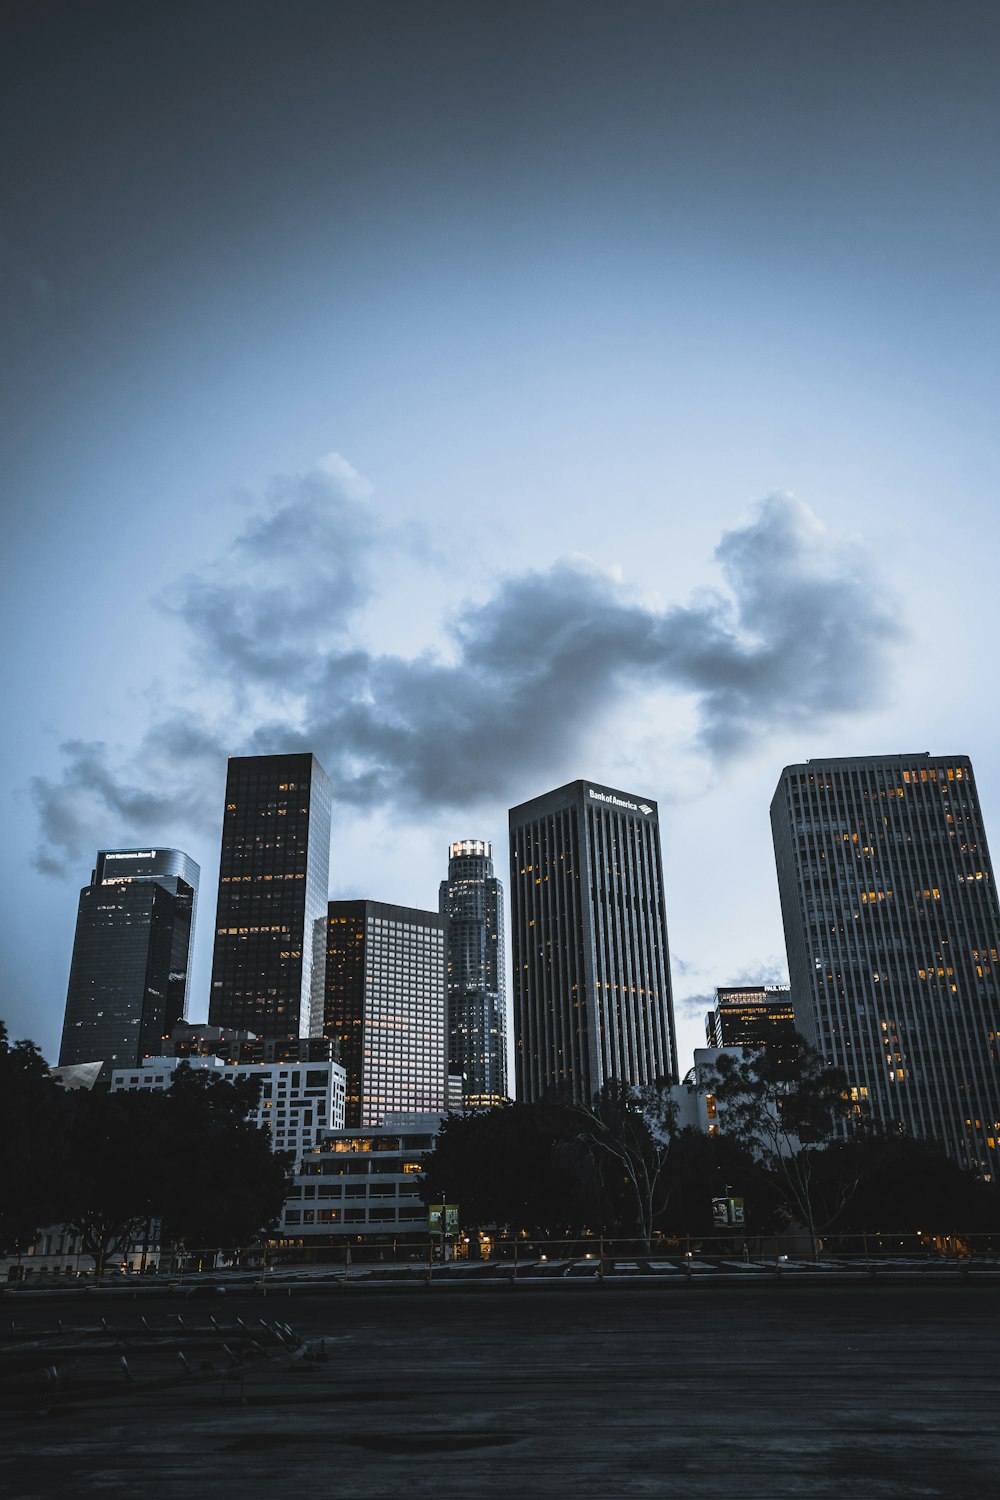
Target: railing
<point>513,1257</point>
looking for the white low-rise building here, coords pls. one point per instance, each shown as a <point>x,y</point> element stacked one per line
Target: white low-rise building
<point>362,1184</point>
<point>298,1100</point>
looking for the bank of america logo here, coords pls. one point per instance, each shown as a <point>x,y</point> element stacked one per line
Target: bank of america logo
<point>644,807</point>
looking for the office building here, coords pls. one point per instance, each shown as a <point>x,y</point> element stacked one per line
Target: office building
<point>750,1015</point>
<point>892,929</point>
<point>129,972</point>
<point>297,1103</point>
<point>363,1185</point>
<point>591,969</point>
<point>385,1004</point>
<point>472,901</point>
<point>196,1039</point>
<point>270,929</point>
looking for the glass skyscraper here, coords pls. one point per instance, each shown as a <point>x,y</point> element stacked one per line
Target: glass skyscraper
<point>591,968</point>
<point>129,972</point>
<point>270,927</point>
<point>750,1015</point>
<point>472,901</point>
<point>892,929</point>
<point>385,1004</point>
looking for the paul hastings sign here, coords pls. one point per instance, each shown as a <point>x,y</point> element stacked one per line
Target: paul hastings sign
<point>622,802</point>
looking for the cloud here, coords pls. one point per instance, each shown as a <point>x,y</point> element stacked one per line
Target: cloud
<point>798,632</point>
<point>773,970</point>
<point>695,1005</point>
<point>179,775</point>
<point>291,585</point>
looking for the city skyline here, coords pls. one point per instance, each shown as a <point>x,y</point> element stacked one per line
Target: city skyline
<point>643,431</point>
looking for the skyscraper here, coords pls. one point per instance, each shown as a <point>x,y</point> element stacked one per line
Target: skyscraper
<point>750,1015</point>
<point>385,1003</point>
<point>129,973</point>
<point>472,901</point>
<point>592,998</point>
<point>270,927</point>
<point>892,929</point>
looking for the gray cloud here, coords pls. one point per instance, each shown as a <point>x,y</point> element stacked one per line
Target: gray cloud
<point>175,782</point>
<point>798,634</point>
<point>292,583</point>
<point>695,1005</point>
<point>772,970</point>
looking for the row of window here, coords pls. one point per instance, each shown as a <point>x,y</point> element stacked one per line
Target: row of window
<point>355,1215</point>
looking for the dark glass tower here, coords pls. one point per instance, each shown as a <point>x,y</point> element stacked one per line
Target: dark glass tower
<point>129,973</point>
<point>270,927</point>
<point>592,999</point>
<point>385,1004</point>
<point>750,1015</point>
<point>472,901</point>
<point>892,929</point>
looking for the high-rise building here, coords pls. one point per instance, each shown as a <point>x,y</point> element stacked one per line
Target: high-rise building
<point>591,968</point>
<point>892,928</point>
<point>129,973</point>
<point>750,1015</point>
<point>472,901</point>
<point>270,926</point>
<point>385,1004</point>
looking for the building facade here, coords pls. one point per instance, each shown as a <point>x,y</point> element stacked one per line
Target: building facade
<point>471,899</point>
<point>270,930</point>
<point>750,1015</point>
<point>363,1185</point>
<point>386,1005</point>
<point>297,1101</point>
<point>197,1039</point>
<point>131,955</point>
<point>892,928</point>
<point>591,967</point>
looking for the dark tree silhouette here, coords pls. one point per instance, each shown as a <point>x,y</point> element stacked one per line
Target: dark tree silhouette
<point>33,1141</point>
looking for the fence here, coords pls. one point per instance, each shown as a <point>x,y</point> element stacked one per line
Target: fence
<point>513,1256</point>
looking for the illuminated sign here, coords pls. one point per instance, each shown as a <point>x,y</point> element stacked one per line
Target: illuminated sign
<point>727,1212</point>
<point>613,801</point>
<point>442,1218</point>
<point>134,854</point>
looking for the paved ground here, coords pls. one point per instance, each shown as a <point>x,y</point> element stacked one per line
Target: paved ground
<point>759,1391</point>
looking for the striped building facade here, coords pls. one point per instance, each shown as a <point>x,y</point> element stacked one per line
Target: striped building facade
<point>591,967</point>
<point>892,929</point>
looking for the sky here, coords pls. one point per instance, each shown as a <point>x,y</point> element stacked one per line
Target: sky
<point>482,397</point>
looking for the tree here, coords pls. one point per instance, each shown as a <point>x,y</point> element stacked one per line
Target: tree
<point>783,1113</point>
<point>190,1156</point>
<point>513,1166</point>
<point>219,1184</point>
<point>702,1167</point>
<point>33,1137</point>
<point>634,1128</point>
<point>907,1185</point>
<point>112,1169</point>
